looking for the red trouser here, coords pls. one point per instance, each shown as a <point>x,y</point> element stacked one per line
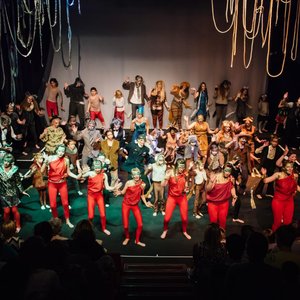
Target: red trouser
<point>138,217</point>
<point>15,212</point>
<point>52,109</point>
<point>218,211</point>
<point>182,202</point>
<point>120,115</point>
<point>53,189</point>
<point>283,211</point>
<point>96,114</point>
<point>92,200</point>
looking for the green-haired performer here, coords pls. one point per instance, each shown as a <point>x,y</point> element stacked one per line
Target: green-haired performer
<point>133,191</point>
<point>97,180</point>
<point>10,188</point>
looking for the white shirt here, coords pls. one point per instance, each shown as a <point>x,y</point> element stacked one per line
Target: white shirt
<point>200,176</point>
<point>135,99</point>
<point>158,172</point>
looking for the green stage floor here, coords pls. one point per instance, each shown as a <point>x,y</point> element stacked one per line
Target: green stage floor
<point>175,243</point>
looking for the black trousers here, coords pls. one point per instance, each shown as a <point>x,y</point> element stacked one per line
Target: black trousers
<point>75,108</point>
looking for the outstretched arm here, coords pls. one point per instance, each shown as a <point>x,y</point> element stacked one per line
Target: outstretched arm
<point>71,174</point>
<point>272,178</point>
<point>108,187</point>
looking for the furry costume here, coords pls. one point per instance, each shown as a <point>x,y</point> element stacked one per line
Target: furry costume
<point>181,94</point>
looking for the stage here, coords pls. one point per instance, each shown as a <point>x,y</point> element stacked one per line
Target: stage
<point>174,245</point>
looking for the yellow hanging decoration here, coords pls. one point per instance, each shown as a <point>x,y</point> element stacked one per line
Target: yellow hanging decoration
<point>257,26</point>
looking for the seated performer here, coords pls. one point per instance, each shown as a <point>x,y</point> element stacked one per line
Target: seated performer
<point>133,191</point>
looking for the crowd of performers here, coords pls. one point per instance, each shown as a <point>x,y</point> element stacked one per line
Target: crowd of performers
<point>163,168</point>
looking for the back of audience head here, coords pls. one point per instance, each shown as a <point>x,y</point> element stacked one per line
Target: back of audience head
<point>84,231</point>
<point>235,246</point>
<point>213,235</point>
<point>256,247</point>
<point>32,252</point>
<point>285,236</point>
<point>56,225</point>
<point>8,229</point>
<point>246,230</point>
<point>43,230</point>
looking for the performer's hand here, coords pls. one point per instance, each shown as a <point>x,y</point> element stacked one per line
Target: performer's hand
<point>66,85</point>
<point>74,128</point>
<point>263,171</point>
<point>117,193</point>
<point>149,204</point>
<point>26,194</point>
<point>117,186</point>
<point>234,200</point>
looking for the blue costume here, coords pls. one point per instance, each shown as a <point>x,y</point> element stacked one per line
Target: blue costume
<point>201,106</point>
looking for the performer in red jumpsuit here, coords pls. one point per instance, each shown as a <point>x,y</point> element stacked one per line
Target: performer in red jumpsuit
<point>133,191</point>
<point>58,171</point>
<point>178,185</point>
<point>285,190</point>
<point>219,189</point>
<point>97,180</point>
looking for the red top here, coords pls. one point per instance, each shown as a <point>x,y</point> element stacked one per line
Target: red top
<point>177,185</point>
<point>133,194</point>
<point>57,170</point>
<point>96,183</point>
<point>285,188</point>
<point>220,192</point>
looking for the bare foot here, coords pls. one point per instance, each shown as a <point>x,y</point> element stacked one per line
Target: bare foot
<point>141,244</point>
<point>164,234</point>
<point>125,242</point>
<point>259,196</point>
<point>106,231</point>
<point>187,235</point>
<point>238,221</point>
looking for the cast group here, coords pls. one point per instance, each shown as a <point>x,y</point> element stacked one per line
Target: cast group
<point>188,160</point>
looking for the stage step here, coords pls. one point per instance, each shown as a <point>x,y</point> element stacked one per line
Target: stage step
<point>160,280</point>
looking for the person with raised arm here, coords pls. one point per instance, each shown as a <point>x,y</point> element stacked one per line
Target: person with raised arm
<point>285,190</point>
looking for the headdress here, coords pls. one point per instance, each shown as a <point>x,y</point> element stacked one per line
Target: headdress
<point>135,172</point>
<point>140,110</point>
<point>249,119</point>
<point>97,164</point>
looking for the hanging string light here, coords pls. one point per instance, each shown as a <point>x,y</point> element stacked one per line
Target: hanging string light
<point>259,11</point>
<point>22,22</point>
